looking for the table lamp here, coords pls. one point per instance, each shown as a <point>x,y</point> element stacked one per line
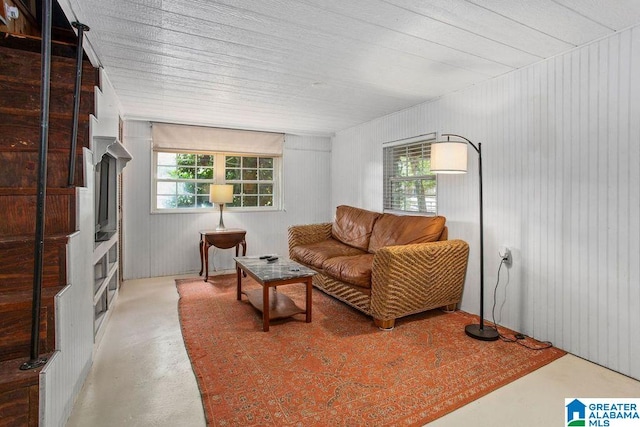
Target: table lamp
<point>221,194</point>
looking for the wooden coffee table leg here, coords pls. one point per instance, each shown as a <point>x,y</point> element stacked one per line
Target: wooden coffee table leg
<point>308,306</point>
<point>238,283</point>
<point>244,253</point>
<point>265,308</point>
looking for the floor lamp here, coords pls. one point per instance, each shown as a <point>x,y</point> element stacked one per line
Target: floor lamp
<point>221,194</point>
<point>450,157</point>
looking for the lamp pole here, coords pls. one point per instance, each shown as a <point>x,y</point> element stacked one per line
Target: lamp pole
<point>478,331</point>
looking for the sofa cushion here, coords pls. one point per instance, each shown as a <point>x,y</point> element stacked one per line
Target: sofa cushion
<point>353,226</point>
<point>315,254</point>
<point>392,230</point>
<point>355,269</point>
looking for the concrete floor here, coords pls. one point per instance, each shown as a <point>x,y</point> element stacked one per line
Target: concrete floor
<point>141,375</point>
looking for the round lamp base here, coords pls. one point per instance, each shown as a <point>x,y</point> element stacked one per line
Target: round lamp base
<point>483,334</point>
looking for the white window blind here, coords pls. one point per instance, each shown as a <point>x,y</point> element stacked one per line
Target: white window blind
<point>172,137</point>
<point>409,184</point>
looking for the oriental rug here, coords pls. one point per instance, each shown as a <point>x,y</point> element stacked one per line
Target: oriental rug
<point>339,369</point>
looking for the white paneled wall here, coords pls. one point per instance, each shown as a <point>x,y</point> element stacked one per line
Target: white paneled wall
<point>561,157</point>
<point>167,244</point>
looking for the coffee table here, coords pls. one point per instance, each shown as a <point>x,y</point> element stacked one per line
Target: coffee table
<point>269,274</point>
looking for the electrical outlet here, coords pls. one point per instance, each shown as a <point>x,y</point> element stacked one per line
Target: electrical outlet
<point>505,254</point>
<point>11,12</point>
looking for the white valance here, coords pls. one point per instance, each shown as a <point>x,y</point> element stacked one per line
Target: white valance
<point>198,138</point>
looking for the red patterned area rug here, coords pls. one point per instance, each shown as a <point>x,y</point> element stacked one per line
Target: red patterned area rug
<point>339,369</point>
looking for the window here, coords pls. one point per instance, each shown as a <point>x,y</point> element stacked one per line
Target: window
<point>252,179</point>
<point>182,179</point>
<point>409,184</point>
<point>188,159</point>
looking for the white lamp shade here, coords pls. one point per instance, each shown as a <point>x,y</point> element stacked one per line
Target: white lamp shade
<point>221,193</point>
<point>449,157</point>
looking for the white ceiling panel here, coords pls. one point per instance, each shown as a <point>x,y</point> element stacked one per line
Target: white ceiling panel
<point>548,17</point>
<point>487,24</point>
<point>316,67</point>
<point>614,14</point>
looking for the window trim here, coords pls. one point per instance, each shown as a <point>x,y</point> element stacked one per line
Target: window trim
<point>431,137</point>
<point>219,177</point>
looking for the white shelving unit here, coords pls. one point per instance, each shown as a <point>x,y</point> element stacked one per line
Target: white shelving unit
<point>106,253</point>
<point>105,281</point>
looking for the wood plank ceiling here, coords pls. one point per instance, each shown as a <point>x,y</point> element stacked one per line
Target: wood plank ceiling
<point>319,66</point>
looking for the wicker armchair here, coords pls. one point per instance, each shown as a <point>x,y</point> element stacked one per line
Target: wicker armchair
<point>405,279</point>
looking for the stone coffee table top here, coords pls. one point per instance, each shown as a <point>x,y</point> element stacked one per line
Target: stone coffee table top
<point>280,269</point>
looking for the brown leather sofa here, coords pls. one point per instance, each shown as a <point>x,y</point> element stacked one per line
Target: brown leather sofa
<point>387,266</point>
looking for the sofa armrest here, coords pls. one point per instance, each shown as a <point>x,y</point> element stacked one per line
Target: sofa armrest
<point>412,278</point>
<point>306,234</point>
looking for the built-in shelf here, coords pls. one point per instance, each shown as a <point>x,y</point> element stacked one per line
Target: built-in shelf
<point>110,145</point>
<point>105,253</point>
<point>105,280</point>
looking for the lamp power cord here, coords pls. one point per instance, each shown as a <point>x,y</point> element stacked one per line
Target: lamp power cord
<point>517,338</point>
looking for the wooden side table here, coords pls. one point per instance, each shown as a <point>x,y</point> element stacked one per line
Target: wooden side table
<point>224,239</point>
